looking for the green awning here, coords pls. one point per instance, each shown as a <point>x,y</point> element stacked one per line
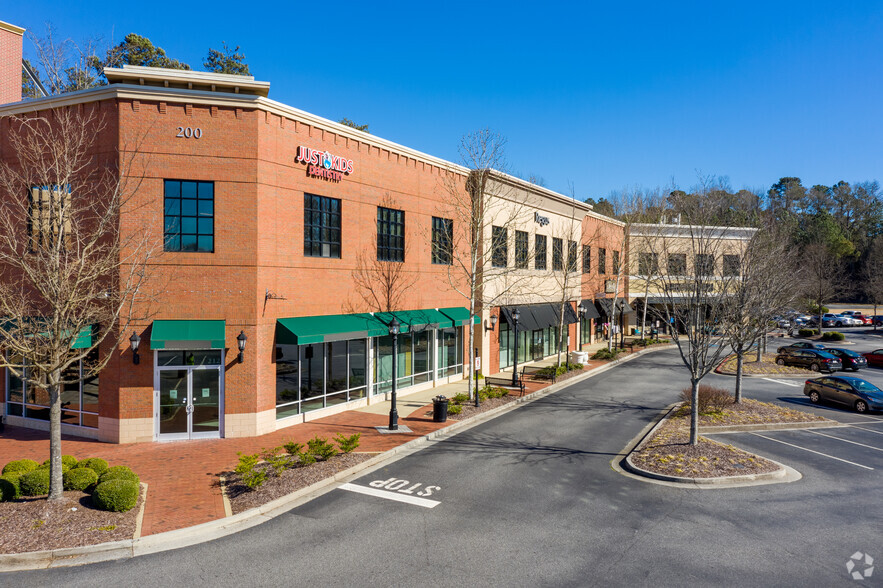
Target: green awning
<point>83,340</point>
<point>417,319</point>
<point>188,335</point>
<point>304,330</point>
<point>459,315</point>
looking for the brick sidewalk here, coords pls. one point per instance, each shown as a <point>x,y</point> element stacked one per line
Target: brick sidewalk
<point>183,475</point>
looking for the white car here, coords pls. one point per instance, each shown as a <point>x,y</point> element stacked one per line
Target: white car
<point>847,321</point>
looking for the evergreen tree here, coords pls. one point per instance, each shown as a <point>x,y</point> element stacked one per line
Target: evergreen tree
<point>226,61</point>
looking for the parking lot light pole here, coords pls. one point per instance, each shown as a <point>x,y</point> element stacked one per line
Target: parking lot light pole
<point>515,316</point>
<point>393,413</point>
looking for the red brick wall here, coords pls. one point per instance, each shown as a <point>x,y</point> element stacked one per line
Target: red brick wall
<point>10,66</point>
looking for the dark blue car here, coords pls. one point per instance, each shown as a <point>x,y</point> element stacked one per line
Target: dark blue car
<point>853,392</point>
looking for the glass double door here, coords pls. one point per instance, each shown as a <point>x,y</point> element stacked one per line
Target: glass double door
<point>189,403</point>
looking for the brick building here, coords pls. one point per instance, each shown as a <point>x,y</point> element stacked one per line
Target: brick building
<point>268,216</point>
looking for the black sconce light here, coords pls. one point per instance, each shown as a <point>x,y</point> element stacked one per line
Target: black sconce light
<point>494,320</point>
<point>240,342</point>
<point>135,341</point>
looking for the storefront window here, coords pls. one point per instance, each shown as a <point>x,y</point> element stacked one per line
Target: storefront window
<point>189,216</point>
<point>79,397</point>
<point>310,377</point>
<point>585,330</point>
<point>412,363</point>
<point>506,345</point>
<point>450,351</point>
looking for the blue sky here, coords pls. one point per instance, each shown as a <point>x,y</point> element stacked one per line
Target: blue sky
<point>606,95</point>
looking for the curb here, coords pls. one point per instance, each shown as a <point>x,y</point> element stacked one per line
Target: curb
<point>826,424</point>
<point>75,556</point>
<point>625,466</point>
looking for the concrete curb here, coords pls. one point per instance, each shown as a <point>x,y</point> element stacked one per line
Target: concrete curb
<point>216,529</point>
<point>826,424</point>
<point>623,464</point>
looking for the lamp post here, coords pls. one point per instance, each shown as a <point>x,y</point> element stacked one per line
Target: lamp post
<point>581,312</point>
<point>393,413</point>
<point>515,316</point>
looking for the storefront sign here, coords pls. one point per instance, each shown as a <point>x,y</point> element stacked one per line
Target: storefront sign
<point>609,286</point>
<point>540,220</point>
<point>323,164</point>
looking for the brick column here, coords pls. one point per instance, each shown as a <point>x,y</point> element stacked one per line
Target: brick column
<point>10,62</point>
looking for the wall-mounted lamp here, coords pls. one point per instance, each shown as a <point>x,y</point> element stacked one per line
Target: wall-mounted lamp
<point>240,342</point>
<point>135,341</point>
<point>582,310</point>
<point>494,320</point>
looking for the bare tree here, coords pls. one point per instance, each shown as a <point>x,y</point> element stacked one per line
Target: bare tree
<point>70,278</point>
<point>872,276</point>
<point>66,65</point>
<point>692,289</point>
<point>381,284</point>
<point>824,275</point>
<point>565,275</point>
<point>485,210</point>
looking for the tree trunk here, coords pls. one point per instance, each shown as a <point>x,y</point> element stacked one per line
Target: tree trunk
<point>759,350</point>
<point>694,412</point>
<point>470,386</point>
<point>739,361</point>
<point>56,483</point>
<point>874,318</point>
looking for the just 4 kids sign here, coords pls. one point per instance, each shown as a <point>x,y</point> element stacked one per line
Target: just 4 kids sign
<point>322,164</point>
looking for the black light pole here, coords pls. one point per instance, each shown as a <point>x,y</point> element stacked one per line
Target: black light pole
<point>515,316</point>
<point>393,413</point>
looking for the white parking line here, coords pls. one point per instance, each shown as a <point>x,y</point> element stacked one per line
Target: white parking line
<point>844,440</point>
<point>864,429</point>
<point>812,451</point>
<point>424,502</point>
<point>786,382</point>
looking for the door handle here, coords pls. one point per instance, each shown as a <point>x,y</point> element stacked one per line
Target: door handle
<point>189,409</point>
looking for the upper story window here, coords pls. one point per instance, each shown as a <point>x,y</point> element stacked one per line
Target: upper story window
<point>557,254</point>
<point>602,261</point>
<point>321,226</point>
<point>616,262</point>
<point>571,256</point>
<point>390,234</point>
<point>499,247</point>
<point>677,264</point>
<point>732,266</point>
<point>648,264</point>
<point>540,252</point>
<point>48,214</point>
<point>189,215</point>
<point>704,264</point>
<point>521,249</point>
<point>587,259</point>
<point>442,240</point>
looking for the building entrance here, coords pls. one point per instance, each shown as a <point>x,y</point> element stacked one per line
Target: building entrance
<point>188,402</point>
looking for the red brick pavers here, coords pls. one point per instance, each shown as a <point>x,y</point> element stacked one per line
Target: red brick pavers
<point>182,476</point>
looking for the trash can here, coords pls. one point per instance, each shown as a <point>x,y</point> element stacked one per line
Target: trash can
<point>654,333</point>
<point>439,409</point>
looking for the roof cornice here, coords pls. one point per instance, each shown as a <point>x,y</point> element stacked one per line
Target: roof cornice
<point>11,28</point>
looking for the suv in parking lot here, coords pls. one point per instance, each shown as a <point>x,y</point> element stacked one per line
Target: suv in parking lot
<point>814,359</point>
<point>799,345</point>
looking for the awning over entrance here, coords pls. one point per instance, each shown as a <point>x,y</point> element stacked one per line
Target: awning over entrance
<point>538,316</point>
<point>83,340</point>
<point>188,335</point>
<point>605,305</point>
<point>591,311</point>
<point>305,330</point>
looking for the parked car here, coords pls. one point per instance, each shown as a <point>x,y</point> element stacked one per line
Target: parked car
<point>875,358</point>
<point>850,359</point>
<point>857,314</point>
<point>828,320</point>
<point>814,359</point>
<point>877,320</point>
<point>846,320</point>
<point>782,322</point>
<point>799,345</point>
<point>854,392</point>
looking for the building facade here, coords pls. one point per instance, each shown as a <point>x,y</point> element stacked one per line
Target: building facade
<point>275,225</point>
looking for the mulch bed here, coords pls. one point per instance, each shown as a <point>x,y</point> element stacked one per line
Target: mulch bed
<point>242,498</point>
<point>668,451</point>
<point>36,524</point>
<point>766,366</point>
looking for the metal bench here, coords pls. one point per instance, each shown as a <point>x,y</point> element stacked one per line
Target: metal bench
<point>531,370</point>
<point>506,383</point>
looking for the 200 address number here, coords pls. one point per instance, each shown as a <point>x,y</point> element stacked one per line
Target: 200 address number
<point>189,133</point>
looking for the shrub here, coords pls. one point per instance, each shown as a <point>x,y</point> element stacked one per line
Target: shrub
<point>807,332</point>
<point>459,398</point>
<point>320,448</point>
<point>47,466</point>
<point>118,473</point>
<point>493,392</point>
<point>278,463</point>
<point>249,472</point>
<point>347,444</point>
<point>35,482</point>
<point>293,448</point>
<point>455,409</point>
<point>574,367</point>
<point>79,478</point>
<point>833,336</point>
<point>9,486</point>
<point>116,495</point>
<point>96,464</point>
<point>606,354</point>
<point>66,460</point>
<point>20,465</point>
<point>306,458</point>
<point>711,398</point>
